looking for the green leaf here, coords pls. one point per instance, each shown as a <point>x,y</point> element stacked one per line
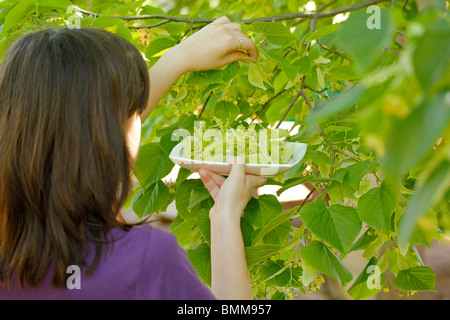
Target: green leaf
<point>276,274</point>
<point>190,193</point>
<point>429,190</point>
<point>320,78</point>
<point>431,58</point>
<point>317,157</point>
<point>154,199</point>
<point>16,14</point>
<point>349,178</point>
<point>200,258</point>
<point>275,222</point>
<point>339,175</point>
<point>308,273</point>
<point>102,22</point>
<point>356,172</point>
<point>204,224</point>
<point>300,180</point>
<point>204,78</point>
<point>398,262</point>
<point>416,278</point>
<point>186,231</point>
<point>321,258</point>
<point>289,69</point>
<point>323,31</point>
<point>278,296</point>
<point>345,73</point>
<point>55,4</point>
<point>120,30</point>
<point>247,231</point>
<point>261,211</point>
<point>225,111</point>
<point>152,164</point>
<point>261,252</point>
<point>147,10</point>
<point>364,241</point>
<point>278,234</point>
<point>366,45</point>
<point>304,65</point>
<point>230,71</point>
<point>275,33</point>
<point>340,103</point>
<point>158,45</point>
<point>373,247</point>
<point>255,76</point>
<point>413,138</point>
<point>339,191</point>
<point>425,231</point>
<point>337,225</point>
<point>376,206</point>
<point>366,283</point>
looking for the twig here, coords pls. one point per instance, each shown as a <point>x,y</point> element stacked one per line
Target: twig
<point>297,95</point>
<point>290,49</point>
<point>151,25</point>
<point>204,106</point>
<point>319,129</point>
<point>333,149</point>
<point>306,199</point>
<point>317,91</point>
<point>333,51</point>
<point>266,104</point>
<point>404,4</point>
<point>319,9</point>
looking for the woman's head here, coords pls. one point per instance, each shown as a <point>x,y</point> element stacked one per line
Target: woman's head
<point>67,99</point>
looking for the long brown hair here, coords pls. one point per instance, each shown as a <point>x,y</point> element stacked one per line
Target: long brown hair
<point>65,96</point>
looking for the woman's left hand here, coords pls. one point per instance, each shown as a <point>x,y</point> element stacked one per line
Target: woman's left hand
<point>217,44</point>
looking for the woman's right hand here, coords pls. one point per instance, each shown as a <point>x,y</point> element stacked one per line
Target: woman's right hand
<point>231,194</point>
<point>217,44</point>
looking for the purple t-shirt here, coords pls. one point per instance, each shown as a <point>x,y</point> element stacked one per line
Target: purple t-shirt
<point>144,263</point>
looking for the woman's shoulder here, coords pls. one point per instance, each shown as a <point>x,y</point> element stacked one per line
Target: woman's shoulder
<point>166,272</point>
<point>152,244</point>
<point>146,232</point>
<point>144,237</point>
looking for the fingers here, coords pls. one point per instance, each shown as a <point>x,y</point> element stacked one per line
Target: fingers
<point>238,170</point>
<point>213,182</point>
<point>221,20</point>
<point>235,27</point>
<point>246,45</point>
<point>257,181</point>
<point>233,57</point>
<point>237,166</point>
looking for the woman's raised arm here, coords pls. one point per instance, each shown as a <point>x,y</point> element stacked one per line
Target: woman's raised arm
<point>217,44</point>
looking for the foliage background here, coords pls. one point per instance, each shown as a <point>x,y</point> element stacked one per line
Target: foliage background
<point>373,105</point>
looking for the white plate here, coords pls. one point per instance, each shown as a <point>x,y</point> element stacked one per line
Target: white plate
<point>222,168</point>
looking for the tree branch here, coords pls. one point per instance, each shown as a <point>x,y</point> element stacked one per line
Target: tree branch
<point>333,51</point>
<point>266,104</point>
<point>286,16</point>
<point>319,129</point>
<point>151,25</point>
<point>204,106</point>
<point>297,95</point>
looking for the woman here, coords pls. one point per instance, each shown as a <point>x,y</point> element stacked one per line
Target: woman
<point>71,106</point>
